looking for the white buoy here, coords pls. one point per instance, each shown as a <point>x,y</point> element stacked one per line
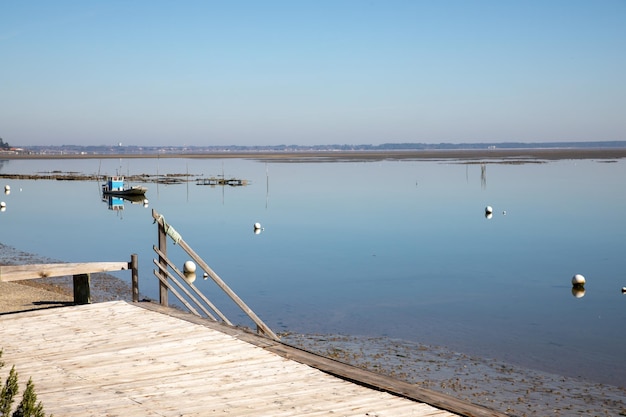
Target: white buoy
<point>3,204</point>
<point>623,290</point>
<point>488,209</point>
<point>7,188</point>
<point>257,225</point>
<point>189,267</point>
<point>205,275</point>
<point>578,280</point>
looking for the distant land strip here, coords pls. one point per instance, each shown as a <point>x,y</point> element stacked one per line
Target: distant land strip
<point>353,155</point>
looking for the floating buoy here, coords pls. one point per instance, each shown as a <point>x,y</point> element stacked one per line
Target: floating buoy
<point>189,267</point>
<point>578,286</point>
<point>488,212</point>
<point>257,225</point>
<point>3,204</point>
<point>205,275</point>
<point>257,228</point>
<point>504,212</point>
<point>623,290</point>
<point>578,280</point>
<point>7,188</point>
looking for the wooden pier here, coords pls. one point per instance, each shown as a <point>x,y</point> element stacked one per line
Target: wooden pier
<point>142,359</point>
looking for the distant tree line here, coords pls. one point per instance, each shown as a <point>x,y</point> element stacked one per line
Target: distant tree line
<point>133,149</point>
<point>4,145</point>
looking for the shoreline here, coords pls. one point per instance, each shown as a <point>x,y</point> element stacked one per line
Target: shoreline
<point>498,385</point>
<point>494,384</point>
<point>302,156</point>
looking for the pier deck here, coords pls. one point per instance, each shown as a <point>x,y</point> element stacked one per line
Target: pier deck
<point>121,359</point>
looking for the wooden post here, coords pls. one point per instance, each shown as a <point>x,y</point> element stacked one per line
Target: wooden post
<point>82,293</point>
<point>134,267</point>
<point>162,239</point>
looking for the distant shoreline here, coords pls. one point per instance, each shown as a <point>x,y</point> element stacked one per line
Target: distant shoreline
<point>286,156</point>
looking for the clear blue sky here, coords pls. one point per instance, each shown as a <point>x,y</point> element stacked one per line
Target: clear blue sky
<point>311,72</point>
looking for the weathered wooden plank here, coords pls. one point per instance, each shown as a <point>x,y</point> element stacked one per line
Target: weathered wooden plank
<point>83,363</point>
<point>351,373</point>
<point>34,271</point>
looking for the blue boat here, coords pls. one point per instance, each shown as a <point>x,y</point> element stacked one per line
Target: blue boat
<point>115,186</point>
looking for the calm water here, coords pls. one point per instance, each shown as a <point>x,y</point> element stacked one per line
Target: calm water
<point>396,249</point>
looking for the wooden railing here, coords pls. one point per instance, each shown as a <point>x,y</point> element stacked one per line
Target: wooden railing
<point>168,281</point>
<point>79,271</point>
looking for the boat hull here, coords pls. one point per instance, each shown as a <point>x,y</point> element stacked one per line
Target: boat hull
<point>133,191</point>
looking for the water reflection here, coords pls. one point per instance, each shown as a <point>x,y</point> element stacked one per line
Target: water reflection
<point>116,203</point>
<point>578,291</point>
<point>483,176</point>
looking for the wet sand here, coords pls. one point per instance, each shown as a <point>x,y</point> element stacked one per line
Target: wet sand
<point>511,389</point>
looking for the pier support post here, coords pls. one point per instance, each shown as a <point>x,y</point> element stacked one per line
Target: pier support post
<point>82,292</point>
<point>134,268</point>
<point>162,239</point>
